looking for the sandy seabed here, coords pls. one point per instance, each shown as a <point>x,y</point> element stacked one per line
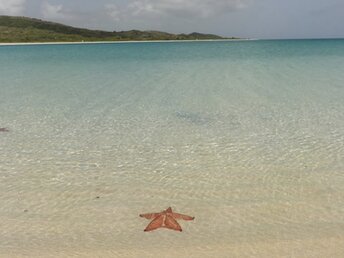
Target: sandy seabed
<point>322,247</point>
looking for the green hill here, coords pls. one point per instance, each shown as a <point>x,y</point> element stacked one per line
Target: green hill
<point>22,29</point>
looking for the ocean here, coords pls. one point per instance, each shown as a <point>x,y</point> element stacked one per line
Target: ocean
<point>247,136</point>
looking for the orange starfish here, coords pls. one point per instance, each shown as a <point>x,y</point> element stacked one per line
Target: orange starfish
<point>165,219</point>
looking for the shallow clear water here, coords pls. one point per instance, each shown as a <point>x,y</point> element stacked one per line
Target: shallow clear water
<point>248,137</point>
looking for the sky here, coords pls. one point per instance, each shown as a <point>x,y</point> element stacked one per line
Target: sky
<point>241,18</point>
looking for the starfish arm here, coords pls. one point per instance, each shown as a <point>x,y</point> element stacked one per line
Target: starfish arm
<point>171,223</point>
<point>182,216</point>
<point>155,224</point>
<point>149,215</point>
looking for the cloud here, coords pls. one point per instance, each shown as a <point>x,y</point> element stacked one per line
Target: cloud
<point>55,12</point>
<point>113,11</point>
<point>12,7</point>
<point>51,11</point>
<point>187,9</point>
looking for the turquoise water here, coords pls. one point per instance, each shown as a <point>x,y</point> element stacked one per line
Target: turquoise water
<point>246,136</point>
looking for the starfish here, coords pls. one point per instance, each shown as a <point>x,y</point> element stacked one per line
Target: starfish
<point>4,130</point>
<point>165,219</point>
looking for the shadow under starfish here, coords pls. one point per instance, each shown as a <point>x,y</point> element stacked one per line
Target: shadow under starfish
<point>165,219</point>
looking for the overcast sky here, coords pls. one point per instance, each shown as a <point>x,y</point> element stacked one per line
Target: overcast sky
<point>242,18</point>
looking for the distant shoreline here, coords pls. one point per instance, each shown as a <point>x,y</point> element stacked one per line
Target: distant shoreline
<point>16,30</point>
<point>115,42</point>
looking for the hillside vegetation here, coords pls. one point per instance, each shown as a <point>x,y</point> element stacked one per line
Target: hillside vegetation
<point>22,29</point>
